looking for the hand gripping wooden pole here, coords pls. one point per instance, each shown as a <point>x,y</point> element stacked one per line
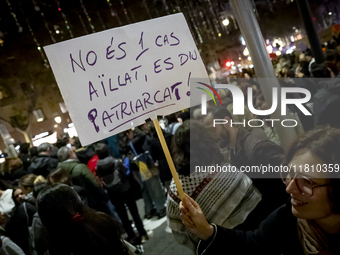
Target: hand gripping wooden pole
<point>169,159</point>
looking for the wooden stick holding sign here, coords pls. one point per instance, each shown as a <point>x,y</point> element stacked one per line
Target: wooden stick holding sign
<point>169,159</point>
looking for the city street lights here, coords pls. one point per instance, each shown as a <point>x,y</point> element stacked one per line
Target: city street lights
<point>57,119</point>
<point>225,22</point>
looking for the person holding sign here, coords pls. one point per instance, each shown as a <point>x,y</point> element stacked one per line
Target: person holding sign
<point>226,197</point>
<point>307,224</point>
<point>252,150</point>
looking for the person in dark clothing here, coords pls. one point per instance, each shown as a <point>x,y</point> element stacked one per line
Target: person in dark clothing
<point>16,170</point>
<point>24,155</point>
<point>247,149</point>
<point>114,176</point>
<point>310,58</point>
<point>43,164</point>
<point>17,226</point>
<point>320,71</point>
<point>60,175</point>
<point>84,154</point>
<point>18,196</point>
<point>38,233</point>
<point>172,123</point>
<point>302,70</point>
<point>184,116</point>
<point>73,227</point>
<point>157,155</point>
<point>33,153</point>
<point>308,224</point>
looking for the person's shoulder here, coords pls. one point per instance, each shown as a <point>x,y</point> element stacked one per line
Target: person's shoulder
<point>106,160</point>
<point>37,160</point>
<point>284,209</point>
<point>106,163</point>
<point>31,207</point>
<point>67,164</point>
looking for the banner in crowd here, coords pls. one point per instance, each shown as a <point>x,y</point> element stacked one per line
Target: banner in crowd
<point>116,79</point>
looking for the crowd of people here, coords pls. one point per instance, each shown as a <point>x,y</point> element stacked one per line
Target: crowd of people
<point>55,192</point>
<point>69,199</point>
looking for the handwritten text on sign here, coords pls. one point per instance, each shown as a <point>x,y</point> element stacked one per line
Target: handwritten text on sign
<point>116,79</point>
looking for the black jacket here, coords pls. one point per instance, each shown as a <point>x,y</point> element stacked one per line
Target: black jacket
<point>157,154</point>
<point>15,175</point>
<point>115,182</point>
<point>276,235</point>
<point>17,226</point>
<point>42,165</point>
<point>25,158</point>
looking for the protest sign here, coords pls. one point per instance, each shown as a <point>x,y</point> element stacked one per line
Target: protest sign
<point>116,79</point>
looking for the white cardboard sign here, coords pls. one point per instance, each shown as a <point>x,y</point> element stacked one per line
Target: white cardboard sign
<point>116,79</point>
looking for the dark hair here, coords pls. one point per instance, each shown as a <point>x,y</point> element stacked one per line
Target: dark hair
<point>184,116</point>
<point>320,71</point>
<point>102,150</point>
<point>73,227</point>
<point>60,175</point>
<point>304,68</point>
<point>33,151</point>
<point>193,144</point>
<point>13,197</point>
<point>291,73</point>
<point>308,52</point>
<point>332,66</point>
<point>330,55</point>
<point>324,143</point>
<point>24,148</point>
<point>62,142</point>
<point>76,142</point>
<point>171,118</point>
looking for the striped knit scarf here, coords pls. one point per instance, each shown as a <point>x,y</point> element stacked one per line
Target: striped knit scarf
<point>225,198</point>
